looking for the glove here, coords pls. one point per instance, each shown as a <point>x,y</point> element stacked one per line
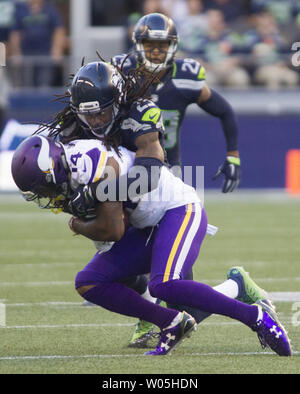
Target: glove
<point>231,170</point>
<point>82,203</point>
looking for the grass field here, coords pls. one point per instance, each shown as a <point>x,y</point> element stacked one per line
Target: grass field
<point>48,330</point>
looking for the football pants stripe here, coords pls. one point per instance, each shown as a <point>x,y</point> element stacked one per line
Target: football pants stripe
<point>188,241</point>
<point>176,243</point>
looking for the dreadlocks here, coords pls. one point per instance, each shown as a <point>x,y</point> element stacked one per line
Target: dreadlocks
<point>135,86</point>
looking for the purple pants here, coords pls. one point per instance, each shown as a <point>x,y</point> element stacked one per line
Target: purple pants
<point>168,253</point>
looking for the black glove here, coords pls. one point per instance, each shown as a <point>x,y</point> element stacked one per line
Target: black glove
<point>232,173</point>
<point>82,203</point>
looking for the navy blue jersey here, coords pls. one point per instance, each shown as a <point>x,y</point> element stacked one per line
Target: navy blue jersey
<point>180,87</point>
<point>143,117</point>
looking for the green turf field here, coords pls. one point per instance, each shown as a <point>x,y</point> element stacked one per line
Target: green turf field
<point>47,330</point>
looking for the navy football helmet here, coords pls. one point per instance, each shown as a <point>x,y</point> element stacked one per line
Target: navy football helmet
<point>155,27</point>
<point>40,170</point>
<point>94,93</point>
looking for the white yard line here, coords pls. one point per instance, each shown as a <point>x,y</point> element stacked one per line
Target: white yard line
<point>291,296</point>
<point>39,265</point>
<point>45,303</point>
<point>39,326</point>
<point>288,296</point>
<point>32,216</point>
<point>85,356</point>
<point>36,284</point>
<point>99,325</point>
<point>208,281</point>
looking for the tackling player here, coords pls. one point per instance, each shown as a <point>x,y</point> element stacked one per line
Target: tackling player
<point>175,84</point>
<point>110,107</point>
<point>43,169</point>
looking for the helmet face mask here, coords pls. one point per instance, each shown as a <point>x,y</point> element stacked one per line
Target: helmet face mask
<point>155,52</point>
<point>152,29</point>
<point>49,197</point>
<point>40,171</point>
<point>99,122</point>
<point>43,201</point>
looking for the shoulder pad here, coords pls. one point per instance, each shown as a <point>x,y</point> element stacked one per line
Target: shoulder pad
<point>144,115</point>
<point>144,109</point>
<point>87,160</point>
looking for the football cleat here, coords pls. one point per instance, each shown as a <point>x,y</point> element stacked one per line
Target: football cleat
<point>271,332</point>
<point>249,291</point>
<point>172,337</point>
<point>143,333</point>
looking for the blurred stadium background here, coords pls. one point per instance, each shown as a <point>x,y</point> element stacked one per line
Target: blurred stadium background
<point>249,49</point>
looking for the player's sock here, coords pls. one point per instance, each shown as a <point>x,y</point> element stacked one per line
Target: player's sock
<point>120,299</point>
<point>229,288</point>
<point>201,296</point>
<point>147,296</point>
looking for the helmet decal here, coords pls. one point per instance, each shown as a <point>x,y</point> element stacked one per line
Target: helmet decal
<point>40,171</point>
<point>44,162</point>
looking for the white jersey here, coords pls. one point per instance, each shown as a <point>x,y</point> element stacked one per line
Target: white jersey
<point>171,193</point>
<point>87,160</point>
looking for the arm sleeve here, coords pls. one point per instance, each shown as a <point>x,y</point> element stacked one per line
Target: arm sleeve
<point>217,106</point>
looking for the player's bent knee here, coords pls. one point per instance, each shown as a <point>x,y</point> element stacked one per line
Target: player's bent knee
<point>84,281</point>
<point>154,287</point>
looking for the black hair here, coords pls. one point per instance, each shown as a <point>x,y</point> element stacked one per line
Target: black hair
<point>135,87</point>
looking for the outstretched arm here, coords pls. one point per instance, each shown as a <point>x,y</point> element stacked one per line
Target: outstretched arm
<point>214,104</point>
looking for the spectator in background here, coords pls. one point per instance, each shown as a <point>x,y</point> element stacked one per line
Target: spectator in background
<point>217,52</point>
<point>149,7</point>
<point>192,27</point>
<point>6,22</point>
<point>3,98</point>
<point>6,19</point>
<point>267,47</point>
<point>283,11</point>
<point>38,32</point>
<point>286,13</point>
<point>175,9</point>
<point>232,10</point>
